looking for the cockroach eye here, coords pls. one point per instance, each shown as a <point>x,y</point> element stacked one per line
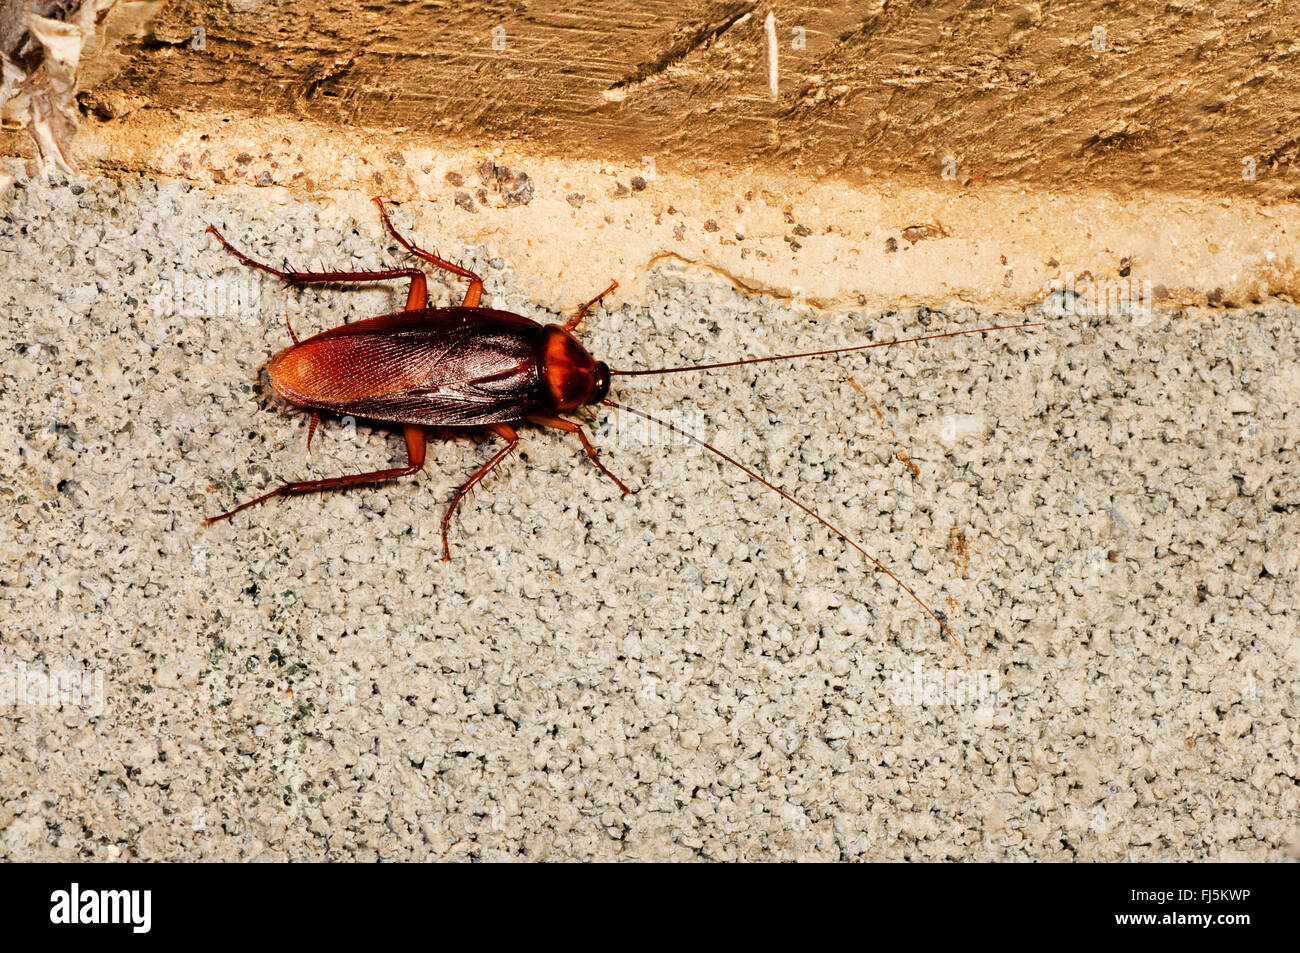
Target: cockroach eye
<point>601,377</point>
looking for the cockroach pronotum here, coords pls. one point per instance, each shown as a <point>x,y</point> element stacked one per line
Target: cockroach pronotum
<point>478,369</point>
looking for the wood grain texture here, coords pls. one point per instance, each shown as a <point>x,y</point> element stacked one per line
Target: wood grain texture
<point>1171,97</point>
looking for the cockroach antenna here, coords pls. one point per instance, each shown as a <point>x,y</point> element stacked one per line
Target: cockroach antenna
<point>834,350</point>
<point>776,489</point>
<point>754,475</point>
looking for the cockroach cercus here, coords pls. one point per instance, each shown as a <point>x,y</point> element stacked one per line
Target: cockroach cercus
<point>477,369</point>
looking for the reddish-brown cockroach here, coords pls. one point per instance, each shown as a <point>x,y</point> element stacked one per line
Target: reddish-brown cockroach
<point>474,368</point>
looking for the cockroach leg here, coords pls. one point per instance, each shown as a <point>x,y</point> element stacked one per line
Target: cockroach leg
<point>582,312</point>
<point>475,293</point>
<point>311,427</point>
<point>289,324</point>
<point>559,423</point>
<point>417,299</point>
<point>414,434</point>
<point>418,293</point>
<point>506,433</point>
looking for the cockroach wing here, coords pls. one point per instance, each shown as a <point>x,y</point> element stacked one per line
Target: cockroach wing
<point>452,367</point>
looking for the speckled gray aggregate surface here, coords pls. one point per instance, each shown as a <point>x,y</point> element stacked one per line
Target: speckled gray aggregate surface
<point>697,670</point>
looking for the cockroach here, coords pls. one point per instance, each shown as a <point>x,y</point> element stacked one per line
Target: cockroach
<point>476,369</point>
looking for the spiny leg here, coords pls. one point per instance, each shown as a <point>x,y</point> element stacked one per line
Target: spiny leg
<point>416,298</point>
<point>475,293</point>
<point>582,312</point>
<point>506,433</point>
<point>415,461</point>
<point>559,423</point>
